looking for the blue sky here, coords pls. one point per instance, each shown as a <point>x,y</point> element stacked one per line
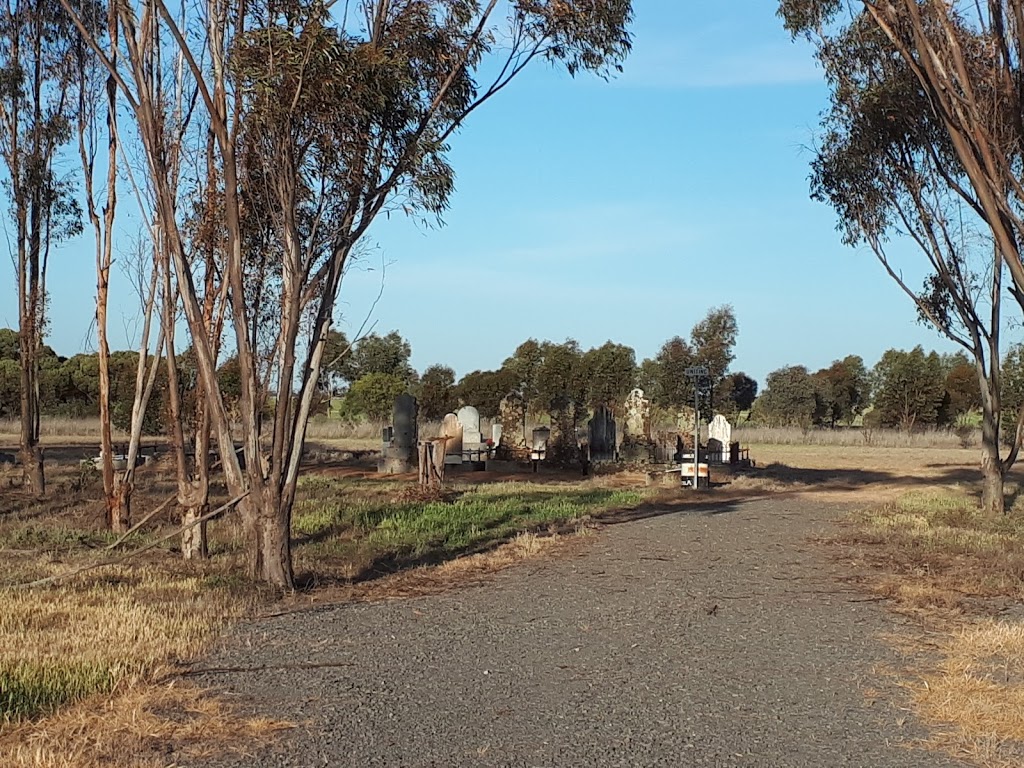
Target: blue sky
<point>621,211</point>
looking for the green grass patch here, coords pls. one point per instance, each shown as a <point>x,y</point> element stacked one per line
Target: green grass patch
<point>354,518</point>
<point>50,538</point>
<point>30,689</point>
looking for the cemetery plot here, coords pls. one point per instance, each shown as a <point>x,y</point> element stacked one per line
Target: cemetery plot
<point>564,444</point>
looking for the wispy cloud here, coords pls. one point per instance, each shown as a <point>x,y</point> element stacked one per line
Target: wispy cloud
<point>708,64</point>
<point>567,238</point>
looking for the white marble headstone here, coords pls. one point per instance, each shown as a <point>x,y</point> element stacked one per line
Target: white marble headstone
<point>469,418</point>
<point>721,430</point>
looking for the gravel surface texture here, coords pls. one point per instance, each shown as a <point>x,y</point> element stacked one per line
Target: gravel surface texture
<point>714,638</point>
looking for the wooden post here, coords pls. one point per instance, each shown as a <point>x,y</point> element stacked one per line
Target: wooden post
<point>431,461</point>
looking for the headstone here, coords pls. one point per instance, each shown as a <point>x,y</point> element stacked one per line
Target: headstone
<point>469,418</point>
<point>513,446</point>
<point>601,435</point>
<point>406,429</point>
<point>720,429</point>
<point>387,435</point>
<point>637,445</point>
<point>496,433</point>
<point>638,417</point>
<point>400,453</point>
<point>719,438</point>
<point>452,429</point>
<point>539,444</point>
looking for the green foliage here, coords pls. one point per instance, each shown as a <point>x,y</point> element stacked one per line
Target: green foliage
<point>436,393</point>
<point>963,392</point>
<point>482,515</point>
<point>9,349</point>
<point>28,690</point>
<point>789,399</point>
<point>713,340</point>
<point>373,397</point>
<point>711,344</point>
<point>671,388</point>
<point>561,378</point>
<point>843,390</point>
<point>522,368</point>
<point>611,374</point>
<point>229,380</point>
<point>388,355</point>
<point>10,388</point>
<point>552,377</point>
<point>485,390</point>
<point>735,394</point>
<point>1012,391</point>
<point>909,388</point>
<point>336,366</point>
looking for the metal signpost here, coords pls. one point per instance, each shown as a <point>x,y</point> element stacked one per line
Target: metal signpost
<point>696,372</point>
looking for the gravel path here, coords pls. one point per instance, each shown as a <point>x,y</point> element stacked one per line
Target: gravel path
<point>677,640</point>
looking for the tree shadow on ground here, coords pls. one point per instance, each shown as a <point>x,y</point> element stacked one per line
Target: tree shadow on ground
<point>774,481</point>
<point>841,479</point>
<point>703,505</point>
<point>389,563</point>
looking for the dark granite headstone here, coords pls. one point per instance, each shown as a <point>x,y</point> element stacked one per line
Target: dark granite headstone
<point>400,452</point>
<point>601,435</point>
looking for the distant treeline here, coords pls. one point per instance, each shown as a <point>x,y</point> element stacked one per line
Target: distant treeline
<point>905,389</point>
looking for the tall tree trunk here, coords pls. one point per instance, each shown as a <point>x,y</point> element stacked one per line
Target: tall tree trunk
<point>30,455</point>
<point>270,542</point>
<point>992,474</point>
<point>194,543</point>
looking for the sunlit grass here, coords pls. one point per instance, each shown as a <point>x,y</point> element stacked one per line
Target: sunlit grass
<point>60,644</point>
<point>939,556</point>
<point>848,437</point>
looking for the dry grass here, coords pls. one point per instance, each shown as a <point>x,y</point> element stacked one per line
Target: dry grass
<point>356,436</point>
<point>856,437</point>
<point>974,698</point>
<point>934,551</point>
<point>139,726</point>
<point>901,463</point>
<point>934,555</point>
<point>103,630</point>
<point>61,427</point>
<point>84,666</point>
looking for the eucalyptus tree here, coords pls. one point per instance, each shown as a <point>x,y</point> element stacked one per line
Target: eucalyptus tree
<point>37,73</point>
<point>329,115</point>
<point>923,140</point>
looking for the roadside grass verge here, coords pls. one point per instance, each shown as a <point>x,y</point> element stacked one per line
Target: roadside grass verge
<point>88,667</point>
<point>934,555</point>
<point>103,630</point>
<point>142,726</point>
<point>974,697</point>
<point>355,529</point>
<point>934,550</point>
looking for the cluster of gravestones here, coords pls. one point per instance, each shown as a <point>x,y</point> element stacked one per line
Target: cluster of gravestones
<point>565,443</point>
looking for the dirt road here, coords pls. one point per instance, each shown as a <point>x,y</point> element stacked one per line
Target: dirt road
<point>683,639</point>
